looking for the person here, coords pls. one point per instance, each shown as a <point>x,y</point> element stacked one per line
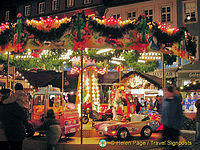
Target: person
<point>13,117</point>
<point>156,103</point>
<point>151,104</point>
<point>197,105</point>
<point>4,93</point>
<point>52,128</point>
<point>138,105</point>
<point>20,97</point>
<point>172,118</point>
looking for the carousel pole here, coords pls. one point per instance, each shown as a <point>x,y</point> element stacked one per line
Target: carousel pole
<point>8,64</point>
<point>81,97</point>
<point>163,74</point>
<point>79,39</point>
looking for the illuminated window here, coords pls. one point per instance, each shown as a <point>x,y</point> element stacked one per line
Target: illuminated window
<point>87,1</point>
<point>7,16</point>
<point>166,14</point>
<point>131,15</point>
<point>70,3</point>
<point>149,14</point>
<point>190,12</point>
<point>28,10</point>
<point>41,8</point>
<point>55,4</point>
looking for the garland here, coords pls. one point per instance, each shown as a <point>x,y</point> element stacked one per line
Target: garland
<point>109,31</point>
<point>52,35</point>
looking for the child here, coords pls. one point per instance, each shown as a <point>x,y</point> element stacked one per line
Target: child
<point>20,97</point>
<point>52,128</point>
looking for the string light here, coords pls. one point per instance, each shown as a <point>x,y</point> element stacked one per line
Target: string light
<point>4,26</point>
<point>167,29</point>
<point>112,21</point>
<point>48,23</point>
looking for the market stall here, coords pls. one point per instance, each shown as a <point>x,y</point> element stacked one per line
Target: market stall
<point>190,93</point>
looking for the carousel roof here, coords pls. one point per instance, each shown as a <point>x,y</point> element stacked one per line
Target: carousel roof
<point>152,79</point>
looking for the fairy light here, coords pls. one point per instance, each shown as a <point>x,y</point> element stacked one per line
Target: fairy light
<point>4,26</point>
<point>48,23</point>
<point>112,21</point>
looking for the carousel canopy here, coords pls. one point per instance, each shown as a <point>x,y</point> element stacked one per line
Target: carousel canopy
<point>80,32</point>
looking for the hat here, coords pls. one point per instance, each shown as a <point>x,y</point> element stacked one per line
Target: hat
<point>50,113</point>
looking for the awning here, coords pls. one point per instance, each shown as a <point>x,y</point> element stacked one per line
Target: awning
<point>190,71</point>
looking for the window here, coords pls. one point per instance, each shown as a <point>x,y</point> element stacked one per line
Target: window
<point>55,4</point>
<point>166,14</point>
<point>116,16</point>
<point>190,12</point>
<point>149,14</point>
<point>28,10</point>
<point>87,1</point>
<point>41,8</point>
<point>70,3</point>
<point>7,16</point>
<point>131,15</point>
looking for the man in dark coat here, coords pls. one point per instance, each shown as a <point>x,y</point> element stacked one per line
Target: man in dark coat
<point>13,118</point>
<point>172,118</point>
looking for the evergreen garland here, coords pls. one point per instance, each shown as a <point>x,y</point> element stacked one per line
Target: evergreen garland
<point>53,35</point>
<point>109,31</point>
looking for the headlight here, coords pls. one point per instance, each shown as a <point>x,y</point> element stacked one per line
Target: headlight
<point>66,123</point>
<point>106,129</point>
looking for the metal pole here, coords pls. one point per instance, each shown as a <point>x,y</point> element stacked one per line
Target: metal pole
<point>63,76</point>
<point>81,96</point>
<point>163,74</point>
<point>8,64</point>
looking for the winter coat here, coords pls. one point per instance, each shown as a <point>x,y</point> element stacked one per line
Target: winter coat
<point>172,114</point>
<point>20,97</point>
<point>13,118</point>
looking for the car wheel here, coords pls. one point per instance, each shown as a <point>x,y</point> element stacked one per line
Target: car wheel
<point>70,134</point>
<point>85,119</point>
<point>29,130</point>
<point>146,132</point>
<point>123,134</point>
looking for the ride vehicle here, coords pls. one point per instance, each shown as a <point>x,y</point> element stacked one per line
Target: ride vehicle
<point>123,129</point>
<point>51,98</point>
<point>94,115</point>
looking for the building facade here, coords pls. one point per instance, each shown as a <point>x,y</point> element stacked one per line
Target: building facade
<point>61,8</point>
<point>164,11</point>
<point>8,13</point>
<point>189,15</point>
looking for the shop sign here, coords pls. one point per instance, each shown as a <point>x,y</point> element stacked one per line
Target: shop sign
<point>194,75</point>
